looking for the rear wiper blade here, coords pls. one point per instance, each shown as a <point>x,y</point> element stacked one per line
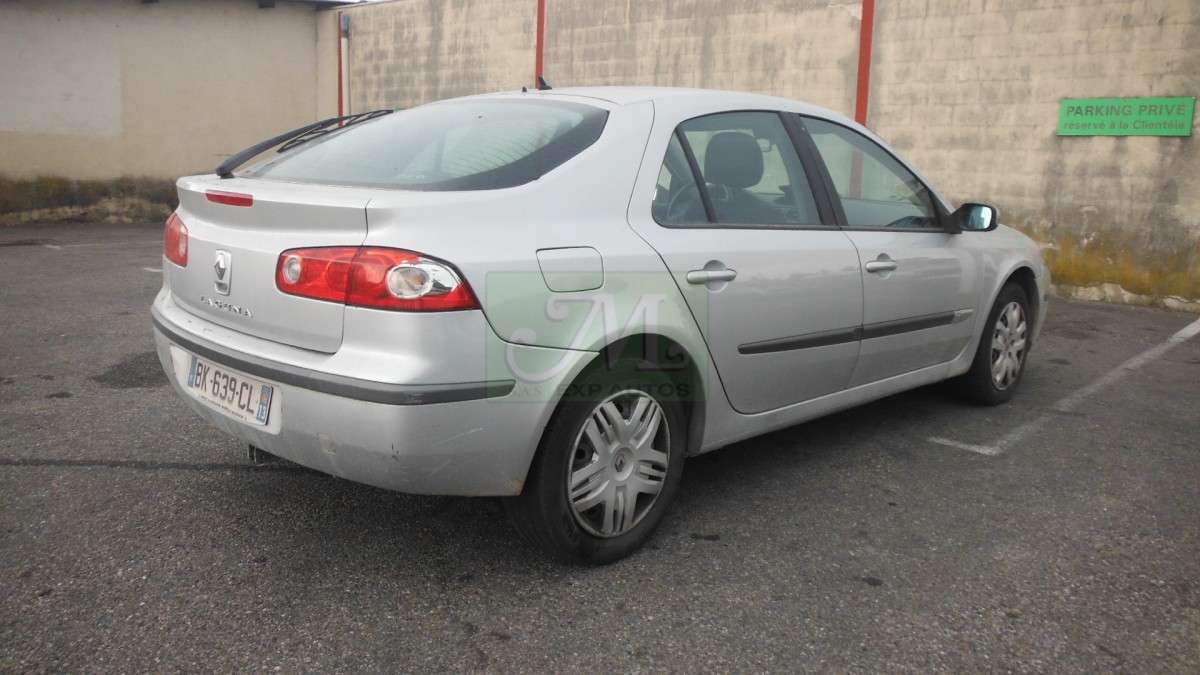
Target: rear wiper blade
<point>291,139</point>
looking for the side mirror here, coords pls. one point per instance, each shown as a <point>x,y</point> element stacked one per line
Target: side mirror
<point>973,218</point>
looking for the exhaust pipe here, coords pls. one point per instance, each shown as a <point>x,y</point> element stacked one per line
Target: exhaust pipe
<point>260,457</point>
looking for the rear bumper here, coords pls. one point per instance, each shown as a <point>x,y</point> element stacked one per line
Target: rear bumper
<point>338,385</point>
<point>474,438</point>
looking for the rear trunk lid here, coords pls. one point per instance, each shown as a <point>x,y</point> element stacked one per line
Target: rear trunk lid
<point>233,250</point>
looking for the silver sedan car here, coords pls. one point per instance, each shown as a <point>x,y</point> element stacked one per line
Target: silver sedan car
<point>556,297</point>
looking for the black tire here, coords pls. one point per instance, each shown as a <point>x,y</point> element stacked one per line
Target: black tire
<point>623,401</point>
<point>1002,353</point>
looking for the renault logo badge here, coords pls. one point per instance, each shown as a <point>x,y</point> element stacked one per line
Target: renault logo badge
<point>224,270</point>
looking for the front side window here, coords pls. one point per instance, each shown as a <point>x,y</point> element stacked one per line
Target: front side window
<point>875,189</point>
<point>749,169</point>
<point>456,145</point>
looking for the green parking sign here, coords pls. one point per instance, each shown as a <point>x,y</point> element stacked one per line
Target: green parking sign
<point>1126,116</point>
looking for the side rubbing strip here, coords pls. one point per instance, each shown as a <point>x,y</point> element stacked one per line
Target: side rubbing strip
<point>837,337</point>
<point>825,339</point>
<point>888,328</point>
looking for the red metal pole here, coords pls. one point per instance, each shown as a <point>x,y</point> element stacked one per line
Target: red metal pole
<point>864,61</point>
<point>863,95</point>
<point>541,41</point>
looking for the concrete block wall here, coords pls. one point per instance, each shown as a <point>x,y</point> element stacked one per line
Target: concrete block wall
<point>407,52</point>
<point>967,89</point>
<point>970,91</point>
<point>805,49</point>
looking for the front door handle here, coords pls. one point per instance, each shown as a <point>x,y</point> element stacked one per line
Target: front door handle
<point>882,264</point>
<point>699,277</point>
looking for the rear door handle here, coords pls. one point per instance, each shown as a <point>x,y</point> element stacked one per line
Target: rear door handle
<point>699,277</point>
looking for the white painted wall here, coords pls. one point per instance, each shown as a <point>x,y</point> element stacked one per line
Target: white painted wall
<point>96,89</point>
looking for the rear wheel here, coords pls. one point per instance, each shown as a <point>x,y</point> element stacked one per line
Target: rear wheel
<point>1000,360</point>
<point>607,468</point>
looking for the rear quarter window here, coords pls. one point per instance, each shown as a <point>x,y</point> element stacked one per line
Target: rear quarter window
<point>450,146</point>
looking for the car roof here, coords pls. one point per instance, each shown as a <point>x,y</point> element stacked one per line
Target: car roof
<point>620,96</point>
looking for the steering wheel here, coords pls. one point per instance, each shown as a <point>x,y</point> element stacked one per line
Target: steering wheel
<point>686,206</point>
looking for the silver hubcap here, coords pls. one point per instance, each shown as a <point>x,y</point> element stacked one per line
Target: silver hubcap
<point>1008,345</point>
<point>618,464</point>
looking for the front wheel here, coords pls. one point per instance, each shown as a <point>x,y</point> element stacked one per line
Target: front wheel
<point>607,468</point>
<point>1003,348</point>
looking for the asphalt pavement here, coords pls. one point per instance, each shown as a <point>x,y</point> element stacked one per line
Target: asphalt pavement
<point>1058,533</point>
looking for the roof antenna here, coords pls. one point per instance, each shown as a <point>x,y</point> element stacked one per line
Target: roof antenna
<point>543,85</point>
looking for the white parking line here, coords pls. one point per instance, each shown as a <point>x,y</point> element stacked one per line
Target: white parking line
<point>1079,396</point>
<point>978,449</point>
<point>156,270</point>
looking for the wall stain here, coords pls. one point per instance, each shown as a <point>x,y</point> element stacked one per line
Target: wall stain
<point>1158,263</point>
<point>1126,228</point>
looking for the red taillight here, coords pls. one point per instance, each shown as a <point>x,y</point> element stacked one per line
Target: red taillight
<point>382,278</point>
<point>320,273</point>
<point>229,198</point>
<point>175,241</point>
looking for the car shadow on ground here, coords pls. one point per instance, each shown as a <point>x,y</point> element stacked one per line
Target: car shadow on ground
<point>369,527</point>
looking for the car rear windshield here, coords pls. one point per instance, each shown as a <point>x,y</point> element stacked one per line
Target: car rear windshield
<point>450,146</point>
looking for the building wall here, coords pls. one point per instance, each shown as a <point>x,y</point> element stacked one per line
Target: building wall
<point>970,91</point>
<point>967,89</point>
<point>104,88</point>
<point>328,46</point>
<point>408,52</point>
<point>805,49</point>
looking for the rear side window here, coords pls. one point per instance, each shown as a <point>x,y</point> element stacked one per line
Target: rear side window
<point>750,170</point>
<point>451,146</point>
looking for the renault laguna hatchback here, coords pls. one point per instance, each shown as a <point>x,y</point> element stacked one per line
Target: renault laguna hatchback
<point>556,297</point>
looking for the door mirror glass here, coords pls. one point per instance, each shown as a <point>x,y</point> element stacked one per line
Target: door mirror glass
<point>975,218</point>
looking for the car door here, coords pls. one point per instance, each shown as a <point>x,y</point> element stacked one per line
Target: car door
<point>920,282</point>
<point>774,287</point>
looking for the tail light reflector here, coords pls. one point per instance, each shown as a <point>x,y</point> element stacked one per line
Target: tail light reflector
<point>175,241</point>
<point>381,278</point>
<point>229,198</point>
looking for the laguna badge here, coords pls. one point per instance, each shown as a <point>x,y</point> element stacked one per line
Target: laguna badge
<point>225,306</point>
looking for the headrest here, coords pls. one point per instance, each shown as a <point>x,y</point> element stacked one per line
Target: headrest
<point>734,159</point>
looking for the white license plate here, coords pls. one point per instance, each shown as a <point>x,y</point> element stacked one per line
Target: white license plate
<point>229,391</point>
